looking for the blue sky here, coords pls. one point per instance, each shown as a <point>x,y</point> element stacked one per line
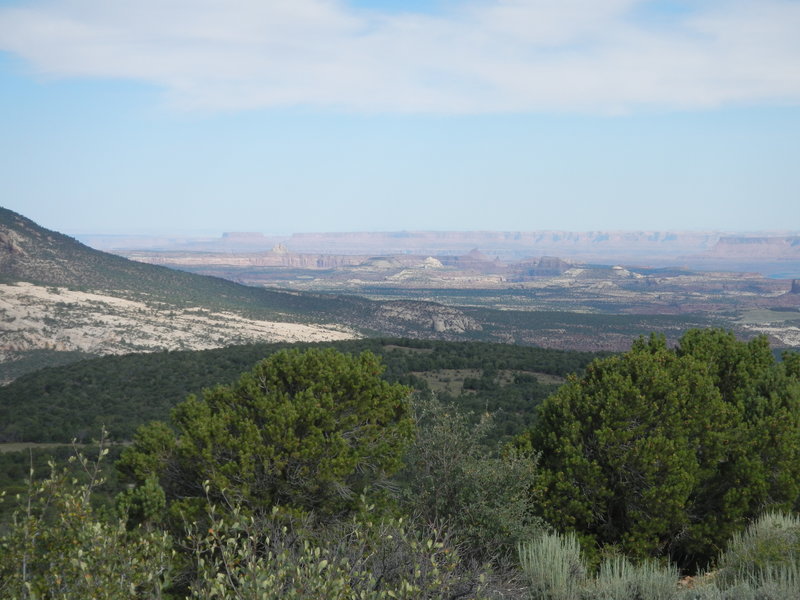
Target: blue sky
<point>279,116</point>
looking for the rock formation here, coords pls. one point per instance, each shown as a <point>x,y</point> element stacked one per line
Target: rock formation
<point>434,317</point>
<point>757,247</point>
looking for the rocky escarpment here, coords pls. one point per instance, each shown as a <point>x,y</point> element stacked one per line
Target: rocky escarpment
<point>10,246</point>
<point>546,266</point>
<point>757,247</point>
<point>398,316</point>
<point>508,244</point>
<point>277,257</point>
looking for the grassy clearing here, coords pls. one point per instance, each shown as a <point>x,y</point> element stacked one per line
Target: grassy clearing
<point>448,381</point>
<point>451,381</point>
<point>391,347</point>
<point>20,446</point>
<point>7,447</point>
<point>507,377</point>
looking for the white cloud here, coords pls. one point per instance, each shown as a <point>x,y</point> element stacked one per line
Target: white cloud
<point>482,56</point>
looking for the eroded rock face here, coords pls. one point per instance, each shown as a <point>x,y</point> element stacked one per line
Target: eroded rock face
<point>434,317</point>
<point>279,256</point>
<point>9,244</point>
<point>432,263</point>
<point>757,247</point>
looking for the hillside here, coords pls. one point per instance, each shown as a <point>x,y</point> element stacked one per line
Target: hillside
<point>58,295</point>
<point>29,253</point>
<point>122,392</point>
<point>61,301</point>
<point>36,255</point>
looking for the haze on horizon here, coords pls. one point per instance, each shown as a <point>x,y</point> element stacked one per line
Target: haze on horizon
<point>170,116</point>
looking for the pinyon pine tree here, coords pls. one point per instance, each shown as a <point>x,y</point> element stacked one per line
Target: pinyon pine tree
<point>308,431</point>
<point>670,451</point>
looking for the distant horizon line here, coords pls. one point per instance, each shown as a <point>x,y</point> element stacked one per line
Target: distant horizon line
<point>222,234</point>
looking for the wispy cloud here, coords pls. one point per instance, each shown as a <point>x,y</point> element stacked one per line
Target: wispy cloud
<point>481,56</point>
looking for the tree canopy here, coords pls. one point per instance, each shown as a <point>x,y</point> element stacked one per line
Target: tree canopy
<point>120,393</point>
<point>304,430</point>
<point>669,451</point>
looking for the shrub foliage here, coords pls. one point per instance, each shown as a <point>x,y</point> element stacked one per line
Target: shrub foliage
<point>281,481</point>
<point>309,431</point>
<point>58,546</point>
<point>669,451</point>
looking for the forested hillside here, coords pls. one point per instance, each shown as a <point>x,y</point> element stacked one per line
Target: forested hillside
<point>122,392</point>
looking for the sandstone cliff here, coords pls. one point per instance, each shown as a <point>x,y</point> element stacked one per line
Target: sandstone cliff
<point>757,247</point>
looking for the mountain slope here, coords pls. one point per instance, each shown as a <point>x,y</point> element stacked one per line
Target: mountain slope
<point>33,254</point>
<point>60,296</point>
<point>57,294</point>
<point>36,255</point>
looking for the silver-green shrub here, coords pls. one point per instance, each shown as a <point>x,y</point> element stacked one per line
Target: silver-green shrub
<point>760,564</point>
<point>553,567</point>
<point>766,554</point>
<point>619,578</point>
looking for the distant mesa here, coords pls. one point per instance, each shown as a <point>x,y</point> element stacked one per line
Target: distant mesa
<point>757,247</point>
<point>600,246</point>
<point>551,265</point>
<point>474,260</point>
<point>459,249</point>
<point>546,266</point>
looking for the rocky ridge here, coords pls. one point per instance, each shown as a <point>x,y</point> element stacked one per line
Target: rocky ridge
<point>59,295</point>
<point>439,319</point>
<point>754,247</point>
<point>40,317</point>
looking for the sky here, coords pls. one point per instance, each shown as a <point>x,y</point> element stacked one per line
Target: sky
<point>281,116</point>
